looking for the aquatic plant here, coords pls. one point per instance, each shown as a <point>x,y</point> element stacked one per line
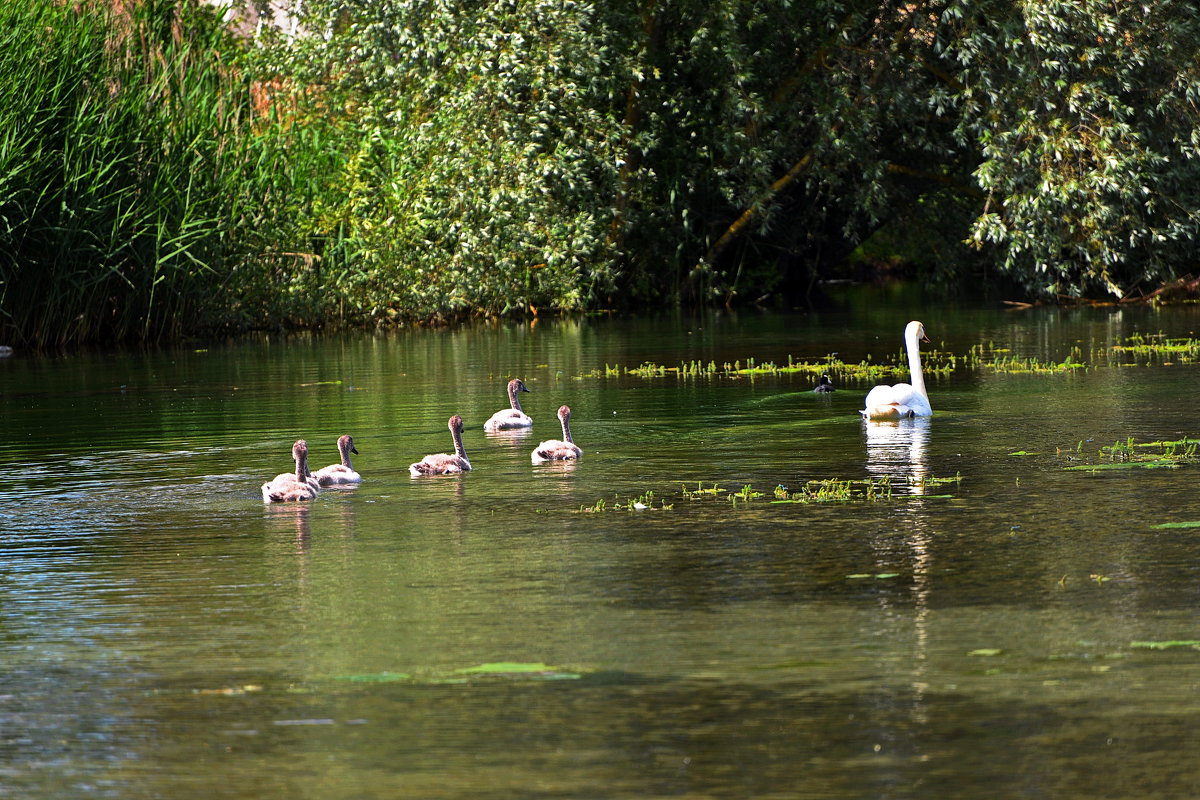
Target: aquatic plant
<point>745,495</point>
<point>643,502</point>
<point>934,362</point>
<point>700,491</point>
<point>930,481</point>
<point>984,356</point>
<point>596,508</point>
<point>1130,454</point>
<point>1149,347</point>
<point>999,360</point>
<point>942,364</point>
<point>813,491</point>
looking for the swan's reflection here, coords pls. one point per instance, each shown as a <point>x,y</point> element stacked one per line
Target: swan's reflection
<point>292,518</point>
<point>897,450</point>
<point>555,477</point>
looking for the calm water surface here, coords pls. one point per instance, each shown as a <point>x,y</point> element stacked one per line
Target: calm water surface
<point>165,634</point>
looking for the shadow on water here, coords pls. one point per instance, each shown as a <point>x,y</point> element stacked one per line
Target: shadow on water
<point>993,623</point>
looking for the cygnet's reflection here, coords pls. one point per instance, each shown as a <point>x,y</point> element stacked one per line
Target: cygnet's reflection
<point>291,518</point>
<point>509,435</point>
<point>898,450</point>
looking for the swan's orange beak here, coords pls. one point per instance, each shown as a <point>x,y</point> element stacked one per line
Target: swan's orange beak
<point>924,337</point>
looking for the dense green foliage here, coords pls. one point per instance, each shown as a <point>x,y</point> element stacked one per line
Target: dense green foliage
<point>562,153</point>
<point>479,156</point>
<point>105,189</point>
<point>567,154</point>
<point>1084,115</point>
<point>437,158</point>
<point>139,198</point>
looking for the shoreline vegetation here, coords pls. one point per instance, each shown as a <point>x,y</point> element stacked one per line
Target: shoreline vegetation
<point>169,171</point>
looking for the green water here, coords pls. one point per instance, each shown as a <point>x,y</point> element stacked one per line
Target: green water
<point>163,633</point>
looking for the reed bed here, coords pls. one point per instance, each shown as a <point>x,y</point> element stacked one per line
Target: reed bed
<point>133,182</point>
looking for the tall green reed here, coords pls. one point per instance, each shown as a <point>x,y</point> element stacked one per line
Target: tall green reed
<point>133,183</point>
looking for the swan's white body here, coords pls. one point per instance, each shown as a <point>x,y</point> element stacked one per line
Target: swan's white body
<point>902,400</point>
<point>556,449</point>
<point>343,472</point>
<point>513,417</point>
<point>444,463</point>
<point>291,487</point>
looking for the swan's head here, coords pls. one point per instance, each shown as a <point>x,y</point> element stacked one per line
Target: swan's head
<point>300,449</point>
<point>455,424</point>
<point>346,443</point>
<point>915,331</point>
<point>517,385</point>
<point>564,412</point>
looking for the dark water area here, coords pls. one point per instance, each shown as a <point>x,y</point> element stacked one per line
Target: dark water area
<point>1019,628</point>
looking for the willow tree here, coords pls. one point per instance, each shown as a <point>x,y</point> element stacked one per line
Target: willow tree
<point>1084,115</point>
<point>479,166</point>
<point>507,154</point>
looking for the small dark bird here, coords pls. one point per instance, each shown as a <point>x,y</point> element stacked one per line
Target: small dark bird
<point>824,385</point>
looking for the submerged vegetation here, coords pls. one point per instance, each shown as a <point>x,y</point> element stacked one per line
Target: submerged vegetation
<point>163,176</point>
<point>1137,455</point>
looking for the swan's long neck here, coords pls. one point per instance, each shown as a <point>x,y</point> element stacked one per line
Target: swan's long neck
<point>566,420</point>
<point>512,398</point>
<point>917,378</point>
<point>459,450</point>
<point>344,447</point>
<point>301,466</point>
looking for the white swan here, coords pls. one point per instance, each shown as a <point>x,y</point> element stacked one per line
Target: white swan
<point>343,472</point>
<point>555,449</point>
<point>902,400</point>
<point>291,487</point>
<point>513,417</point>
<point>444,463</point>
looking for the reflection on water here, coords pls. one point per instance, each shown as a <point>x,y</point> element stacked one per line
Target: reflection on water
<point>897,450</point>
<point>165,633</point>
<point>291,518</point>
